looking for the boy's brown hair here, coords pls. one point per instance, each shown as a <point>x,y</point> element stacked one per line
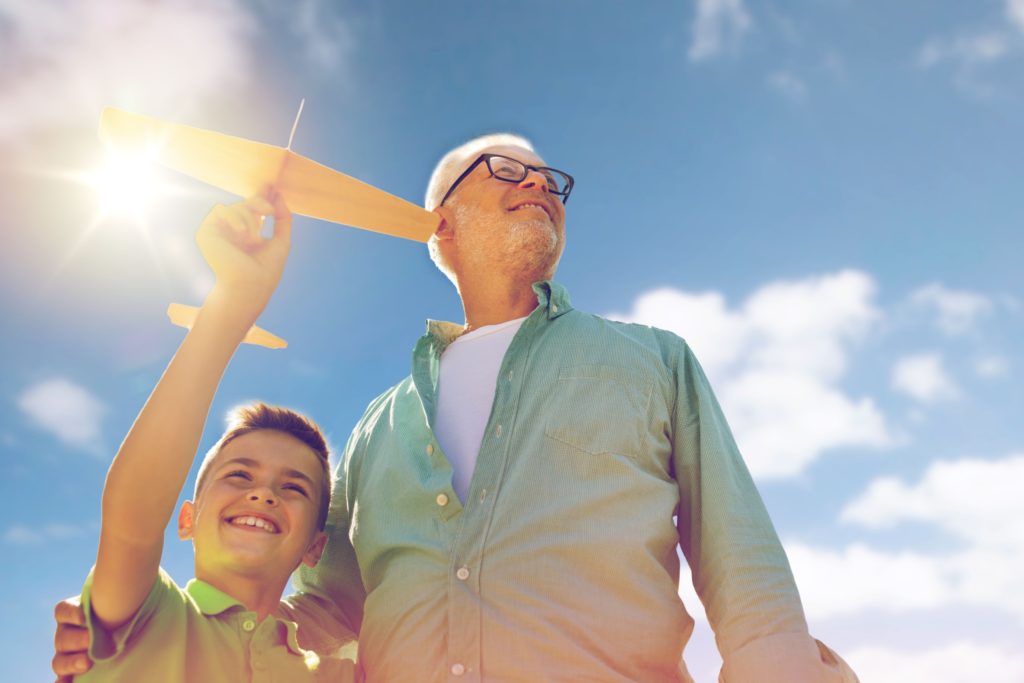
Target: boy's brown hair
<point>259,415</point>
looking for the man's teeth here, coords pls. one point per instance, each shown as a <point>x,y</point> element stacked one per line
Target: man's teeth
<point>257,522</point>
<point>536,206</point>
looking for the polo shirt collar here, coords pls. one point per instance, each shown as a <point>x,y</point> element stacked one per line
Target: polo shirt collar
<point>214,602</point>
<point>210,601</point>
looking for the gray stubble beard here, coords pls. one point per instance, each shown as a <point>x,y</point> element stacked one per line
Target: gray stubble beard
<point>532,248</point>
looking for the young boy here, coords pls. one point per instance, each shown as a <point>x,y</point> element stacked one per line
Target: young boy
<point>260,504</point>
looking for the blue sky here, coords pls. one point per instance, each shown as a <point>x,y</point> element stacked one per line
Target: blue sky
<point>822,197</point>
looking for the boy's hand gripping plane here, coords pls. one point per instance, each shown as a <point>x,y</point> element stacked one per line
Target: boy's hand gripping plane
<point>243,167</point>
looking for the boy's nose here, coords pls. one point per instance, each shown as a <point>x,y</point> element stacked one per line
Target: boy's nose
<point>262,495</point>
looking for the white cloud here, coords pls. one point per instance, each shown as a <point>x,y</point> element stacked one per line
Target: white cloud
<point>957,311</point>
<point>776,361</point>
<point>787,84</point>
<point>859,579</point>
<point>66,410</point>
<point>976,502</point>
<point>20,534</point>
<point>848,581</point>
<point>719,25</point>
<point>956,662</point>
<point>64,60</point>
<point>967,50</point>
<point>992,367</point>
<point>1015,13</point>
<point>326,38</point>
<point>923,377</point>
<point>971,51</point>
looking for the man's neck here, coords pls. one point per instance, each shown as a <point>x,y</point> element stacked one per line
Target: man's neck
<point>493,300</point>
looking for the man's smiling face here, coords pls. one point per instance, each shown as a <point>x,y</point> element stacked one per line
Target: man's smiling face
<point>256,515</point>
<point>521,225</point>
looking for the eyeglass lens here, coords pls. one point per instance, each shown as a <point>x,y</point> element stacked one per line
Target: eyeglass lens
<point>514,170</point>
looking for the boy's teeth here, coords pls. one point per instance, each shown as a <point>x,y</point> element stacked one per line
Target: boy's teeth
<point>256,522</point>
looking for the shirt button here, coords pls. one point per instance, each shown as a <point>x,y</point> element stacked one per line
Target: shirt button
<point>498,431</point>
<point>554,308</point>
<point>458,669</point>
<point>430,449</point>
<point>248,624</point>
<point>259,664</point>
<point>509,375</point>
<point>442,499</point>
<point>463,573</point>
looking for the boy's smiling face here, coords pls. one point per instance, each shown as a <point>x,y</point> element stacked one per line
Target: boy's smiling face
<point>256,515</point>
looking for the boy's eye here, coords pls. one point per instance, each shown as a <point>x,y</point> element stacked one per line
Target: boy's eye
<point>241,474</point>
<point>296,487</point>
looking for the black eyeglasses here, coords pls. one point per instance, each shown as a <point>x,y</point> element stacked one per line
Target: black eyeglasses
<point>515,171</point>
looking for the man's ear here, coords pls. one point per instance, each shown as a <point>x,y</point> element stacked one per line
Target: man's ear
<point>444,229</point>
<point>315,550</point>
<point>185,520</point>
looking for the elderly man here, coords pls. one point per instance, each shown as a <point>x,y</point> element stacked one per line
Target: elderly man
<point>511,510</point>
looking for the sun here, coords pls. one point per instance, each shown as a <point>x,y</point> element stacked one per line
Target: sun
<point>126,184</point>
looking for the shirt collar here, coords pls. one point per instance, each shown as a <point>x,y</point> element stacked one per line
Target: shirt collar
<point>210,601</point>
<point>213,602</point>
<point>551,297</point>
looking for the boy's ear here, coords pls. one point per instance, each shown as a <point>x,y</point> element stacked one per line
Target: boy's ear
<point>315,550</point>
<point>185,520</point>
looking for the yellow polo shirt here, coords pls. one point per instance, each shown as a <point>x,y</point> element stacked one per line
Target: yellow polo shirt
<point>201,634</point>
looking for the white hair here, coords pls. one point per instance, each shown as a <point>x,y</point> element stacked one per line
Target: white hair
<point>448,169</point>
<point>454,162</point>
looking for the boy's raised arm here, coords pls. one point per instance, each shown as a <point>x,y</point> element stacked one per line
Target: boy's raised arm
<point>150,468</point>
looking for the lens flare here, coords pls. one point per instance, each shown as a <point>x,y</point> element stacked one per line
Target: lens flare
<point>126,183</point>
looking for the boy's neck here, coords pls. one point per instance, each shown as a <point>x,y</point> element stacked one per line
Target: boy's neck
<point>258,593</point>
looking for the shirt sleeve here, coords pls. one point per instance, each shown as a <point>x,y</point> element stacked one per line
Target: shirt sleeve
<point>739,568</point>
<point>328,604</point>
<point>106,644</point>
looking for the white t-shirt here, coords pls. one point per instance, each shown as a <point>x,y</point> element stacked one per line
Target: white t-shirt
<point>465,393</point>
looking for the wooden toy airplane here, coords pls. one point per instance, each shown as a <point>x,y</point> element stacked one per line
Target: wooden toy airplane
<point>243,167</point>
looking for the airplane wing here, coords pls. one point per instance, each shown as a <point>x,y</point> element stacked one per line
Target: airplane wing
<point>185,316</point>
<point>243,166</point>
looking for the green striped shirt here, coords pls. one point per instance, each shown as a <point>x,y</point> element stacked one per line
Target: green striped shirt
<point>605,450</point>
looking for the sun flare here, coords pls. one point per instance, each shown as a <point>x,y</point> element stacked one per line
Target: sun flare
<point>126,183</point>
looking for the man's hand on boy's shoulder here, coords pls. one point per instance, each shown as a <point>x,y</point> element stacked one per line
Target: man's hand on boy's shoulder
<point>71,641</point>
<point>247,265</point>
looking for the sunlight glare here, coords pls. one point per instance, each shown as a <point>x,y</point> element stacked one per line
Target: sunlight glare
<point>126,183</point>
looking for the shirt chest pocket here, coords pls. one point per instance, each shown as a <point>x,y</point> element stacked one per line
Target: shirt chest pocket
<point>600,409</point>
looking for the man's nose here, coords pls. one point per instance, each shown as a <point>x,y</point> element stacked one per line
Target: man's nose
<point>534,179</point>
<point>263,495</point>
